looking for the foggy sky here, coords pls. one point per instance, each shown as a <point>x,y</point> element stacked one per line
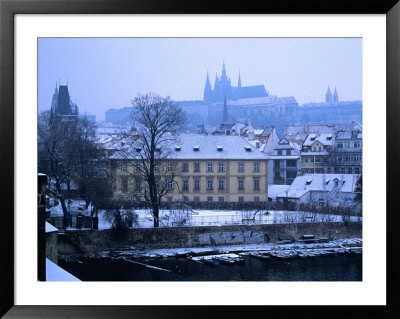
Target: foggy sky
<point>104,73</point>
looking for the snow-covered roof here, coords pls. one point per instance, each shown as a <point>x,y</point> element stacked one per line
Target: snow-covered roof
<point>292,130</point>
<point>233,147</point>
<point>349,135</point>
<point>326,139</point>
<point>321,182</point>
<point>277,190</point>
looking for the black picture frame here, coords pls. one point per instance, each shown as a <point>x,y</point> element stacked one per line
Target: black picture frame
<point>8,10</point>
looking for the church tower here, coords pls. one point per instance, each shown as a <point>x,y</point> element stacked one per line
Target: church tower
<point>335,96</point>
<point>328,96</point>
<point>54,100</point>
<point>207,90</point>
<point>225,112</point>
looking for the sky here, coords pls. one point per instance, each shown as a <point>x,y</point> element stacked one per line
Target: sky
<point>104,73</point>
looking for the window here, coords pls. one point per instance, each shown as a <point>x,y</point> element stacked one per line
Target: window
<point>169,184</point>
<point>156,168</point>
<point>346,144</point>
<point>209,184</point>
<point>220,167</point>
<point>241,184</point>
<point>256,167</point>
<point>185,184</point>
<point>256,199</point>
<point>357,144</point>
<point>317,159</point>
<point>319,149</point>
<point>339,145</point>
<point>137,183</point>
<point>209,199</point>
<point>196,184</point>
<point>137,166</point>
<point>185,167</point>
<point>124,167</point>
<point>256,183</point>
<point>279,152</point>
<point>349,170</point>
<point>221,199</point>
<point>169,199</point>
<point>357,170</point>
<point>169,167</point>
<point>185,199</point>
<point>220,184</point>
<point>209,167</point>
<point>196,199</point>
<point>291,163</point>
<point>240,167</point>
<point>124,183</point>
<point>197,167</point>
<point>157,183</point>
<point>288,152</point>
<point>241,199</point>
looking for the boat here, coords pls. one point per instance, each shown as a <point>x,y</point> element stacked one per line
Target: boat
<point>210,261</point>
<point>260,255</point>
<point>224,260</point>
<point>238,260</point>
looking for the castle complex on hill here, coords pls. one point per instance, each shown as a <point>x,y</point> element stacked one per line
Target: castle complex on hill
<point>223,88</point>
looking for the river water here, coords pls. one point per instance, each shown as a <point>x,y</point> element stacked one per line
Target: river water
<point>327,268</point>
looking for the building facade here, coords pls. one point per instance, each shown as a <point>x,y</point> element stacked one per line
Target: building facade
<point>284,163</point>
<point>315,151</point>
<point>208,169</point>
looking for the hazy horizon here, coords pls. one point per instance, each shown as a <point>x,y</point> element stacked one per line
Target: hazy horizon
<point>104,73</point>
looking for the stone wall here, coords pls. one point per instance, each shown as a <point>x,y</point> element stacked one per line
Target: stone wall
<point>175,237</point>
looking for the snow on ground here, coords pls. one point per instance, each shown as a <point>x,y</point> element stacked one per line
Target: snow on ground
<point>56,273</point>
<point>224,249</point>
<point>199,217</point>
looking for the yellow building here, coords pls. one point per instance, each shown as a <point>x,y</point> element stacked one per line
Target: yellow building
<point>208,169</point>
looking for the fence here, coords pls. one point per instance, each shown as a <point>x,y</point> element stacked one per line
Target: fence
<point>241,218</point>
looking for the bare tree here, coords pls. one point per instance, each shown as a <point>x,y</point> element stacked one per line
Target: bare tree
<point>150,152</point>
<point>68,152</point>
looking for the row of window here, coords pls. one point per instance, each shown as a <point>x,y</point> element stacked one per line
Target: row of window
<point>210,199</point>
<point>196,167</point>
<point>196,184</point>
<point>356,144</point>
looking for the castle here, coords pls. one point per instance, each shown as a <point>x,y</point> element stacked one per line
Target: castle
<point>223,88</point>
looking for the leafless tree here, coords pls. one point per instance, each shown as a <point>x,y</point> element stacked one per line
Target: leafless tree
<point>68,153</point>
<point>150,151</point>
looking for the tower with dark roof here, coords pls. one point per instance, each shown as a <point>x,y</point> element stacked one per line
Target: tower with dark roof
<point>207,90</point>
<point>61,104</point>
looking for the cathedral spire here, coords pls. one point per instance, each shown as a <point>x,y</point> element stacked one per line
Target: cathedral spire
<point>328,95</point>
<point>335,96</point>
<point>239,82</point>
<point>225,112</point>
<point>207,89</point>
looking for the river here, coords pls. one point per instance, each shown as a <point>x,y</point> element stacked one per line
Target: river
<point>323,268</point>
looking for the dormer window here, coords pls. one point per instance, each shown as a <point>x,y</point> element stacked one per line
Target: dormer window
<point>158,149</point>
<point>138,149</point>
<point>308,182</point>
<point>219,148</point>
<point>329,137</point>
<point>177,148</point>
<point>247,148</point>
<point>196,148</point>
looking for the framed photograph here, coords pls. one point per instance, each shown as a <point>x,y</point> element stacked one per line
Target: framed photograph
<point>255,176</point>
